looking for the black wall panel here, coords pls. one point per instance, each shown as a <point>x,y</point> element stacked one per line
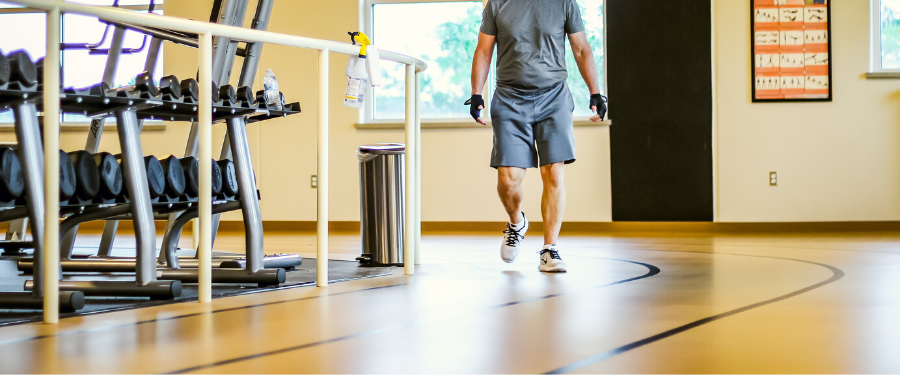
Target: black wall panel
<point>660,89</point>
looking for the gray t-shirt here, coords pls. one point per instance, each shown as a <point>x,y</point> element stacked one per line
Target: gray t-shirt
<point>531,40</point>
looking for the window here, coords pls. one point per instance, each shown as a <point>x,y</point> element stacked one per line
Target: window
<point>21,28</point>
<point>446,40</point>
<point>885,35</point>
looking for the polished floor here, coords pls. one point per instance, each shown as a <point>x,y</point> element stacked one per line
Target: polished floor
<point>631,303</point>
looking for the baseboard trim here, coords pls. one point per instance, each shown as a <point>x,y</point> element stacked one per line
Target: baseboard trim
<point>345,227</point>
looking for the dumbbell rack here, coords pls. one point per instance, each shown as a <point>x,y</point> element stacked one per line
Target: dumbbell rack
<point>128,107</point>
<point>21,94</point>
<point>232,13</point>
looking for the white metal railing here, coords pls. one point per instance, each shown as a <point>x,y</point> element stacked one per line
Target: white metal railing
<point>206,31</point>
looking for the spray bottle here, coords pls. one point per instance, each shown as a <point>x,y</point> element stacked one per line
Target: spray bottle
<point>364,70</point>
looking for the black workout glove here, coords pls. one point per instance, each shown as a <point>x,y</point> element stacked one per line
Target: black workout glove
<point>473,103</point>
<point>599,101</point>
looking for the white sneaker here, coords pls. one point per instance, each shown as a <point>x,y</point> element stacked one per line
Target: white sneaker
<point>550,261</point>
<point>512,239</point>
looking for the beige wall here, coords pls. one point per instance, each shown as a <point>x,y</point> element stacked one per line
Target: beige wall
<point>457,183</point>
<point>837,161</point>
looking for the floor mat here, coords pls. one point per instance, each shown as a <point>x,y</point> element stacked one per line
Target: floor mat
<point>305,275</point>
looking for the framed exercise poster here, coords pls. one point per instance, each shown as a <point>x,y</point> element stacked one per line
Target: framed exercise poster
<point>791,41</point>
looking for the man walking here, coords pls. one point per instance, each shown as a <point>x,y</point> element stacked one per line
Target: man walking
<point>531,111</point>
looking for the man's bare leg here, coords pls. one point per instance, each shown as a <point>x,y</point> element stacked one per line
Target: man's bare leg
<point>553,201</point>
<point>509,187</point>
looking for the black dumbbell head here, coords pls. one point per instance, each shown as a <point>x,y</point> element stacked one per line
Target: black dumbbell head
<point>229,178</point>
<point>87,175</point>
<point>21,68</point>
<point>245,95</point>
<point>215,91</point>
<point>144,83</point>
<point>110,175</point>
<point>227,94</point>
<point>67,177</point>
<point>190,89</point>
<point>4,69</point>
<point>100,89</point>
<point>12,180</point>
<point>216,178</point>
<point>170,85</point>
<point>175,178</point>
<point>156,178</point>
<point>191,176</point>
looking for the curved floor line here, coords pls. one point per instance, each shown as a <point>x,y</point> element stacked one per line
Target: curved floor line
<point>651,271</point>
<point>837,274</point>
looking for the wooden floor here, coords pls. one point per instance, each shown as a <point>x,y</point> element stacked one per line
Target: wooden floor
<point>631,303</point>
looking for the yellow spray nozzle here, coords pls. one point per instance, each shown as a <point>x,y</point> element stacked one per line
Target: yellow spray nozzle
<point>358,37</point>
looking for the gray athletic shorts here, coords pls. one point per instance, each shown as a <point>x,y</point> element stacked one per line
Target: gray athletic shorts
<point>531,124</point>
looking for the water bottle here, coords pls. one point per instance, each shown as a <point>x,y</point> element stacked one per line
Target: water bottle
<point>273,95</point>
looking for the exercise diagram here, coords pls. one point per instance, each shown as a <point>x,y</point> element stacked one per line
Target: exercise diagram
<point>791,50</point>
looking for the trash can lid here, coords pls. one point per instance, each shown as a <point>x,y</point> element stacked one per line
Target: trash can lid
<point>383,148</point>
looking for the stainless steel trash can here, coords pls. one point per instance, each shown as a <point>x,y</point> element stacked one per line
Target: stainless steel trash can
<point>381,186</point>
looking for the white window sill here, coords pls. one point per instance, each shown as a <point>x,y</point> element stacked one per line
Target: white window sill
<point>883,75</point>
<point>458,125</point>
<point>83,127</point>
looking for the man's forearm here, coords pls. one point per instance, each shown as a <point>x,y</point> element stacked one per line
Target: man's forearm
<point>480,66</point>
<point>588,69</point>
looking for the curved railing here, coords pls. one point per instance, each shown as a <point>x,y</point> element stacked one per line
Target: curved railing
<point>206,31</point>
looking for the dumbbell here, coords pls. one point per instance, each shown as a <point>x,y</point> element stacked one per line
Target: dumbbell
<point>215,93</point>
<point>67,177</point>
<point>190,88</point>
<point>21,68</point>
<point>229,178</point>
<point>12,180</point>
<point>175,177</point>
<point>156,180</point>
<point>192,177</point>
<point>246,96</point>
<point>143,83</point>
<point>110,173</point>
<point>4,69</point>
<point>227,95</point>
<point>87,175</point>
<point>171,86</point>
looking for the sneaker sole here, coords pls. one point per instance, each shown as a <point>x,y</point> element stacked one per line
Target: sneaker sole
<point>552,271</point>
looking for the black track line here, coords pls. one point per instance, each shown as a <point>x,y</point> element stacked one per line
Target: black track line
<point>651,271</point>
<point>837,274</point>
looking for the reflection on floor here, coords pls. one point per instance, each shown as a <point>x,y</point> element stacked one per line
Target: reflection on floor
<point>635,302</point>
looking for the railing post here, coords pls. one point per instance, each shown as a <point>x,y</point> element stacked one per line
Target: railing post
<point>51,170</point>
<point>205,155</point>
<point>418,179</point>
<point>409,246</point>
<point>322,173</point>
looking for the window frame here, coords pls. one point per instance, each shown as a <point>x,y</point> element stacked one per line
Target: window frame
<point>367,114</point>
<point>26,10</point>
<point>876,58</point>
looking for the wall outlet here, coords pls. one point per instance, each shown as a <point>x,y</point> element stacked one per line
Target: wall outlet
<point>314,181</point>
<point>773,178</point>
